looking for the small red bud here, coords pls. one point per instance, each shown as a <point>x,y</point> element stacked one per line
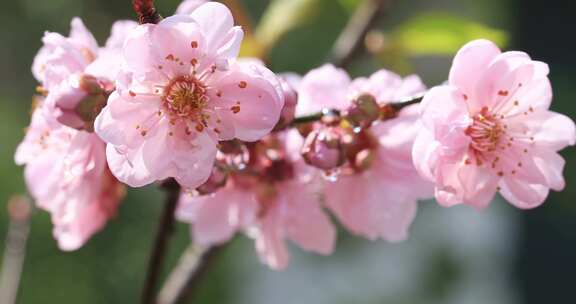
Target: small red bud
<point>323,149</point>
<point>363,111</point>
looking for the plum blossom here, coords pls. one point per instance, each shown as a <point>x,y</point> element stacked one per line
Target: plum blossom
<point>489,130</point>
<point>67,175</point>
<point>274,198</point>
<point>375,195</point>
<point>179,92</point>
<point>76,74</point>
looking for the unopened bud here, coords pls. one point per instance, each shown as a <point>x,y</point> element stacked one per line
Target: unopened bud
<point>289,108</point>
<point>363,111</point>
<point>216,181</point>
<point>78,102</point>
<point>323,149</point>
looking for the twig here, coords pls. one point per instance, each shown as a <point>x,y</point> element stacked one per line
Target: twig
<point>19,210</point>
<point>192,266</point>
<point>146,11</point>
<point>352,38</point>
<point>395,106</point>
<point>160,246</point>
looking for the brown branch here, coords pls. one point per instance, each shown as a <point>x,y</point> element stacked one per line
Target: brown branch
<point>184,279</point>
<point>395,106</point>
<point>160,246</point>
<point>146,11</point>
<point>351,40</point>
<point>19,211</point>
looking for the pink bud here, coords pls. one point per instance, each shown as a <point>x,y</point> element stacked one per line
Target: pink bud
<point>216,181</point>
<point>289,108</point>
<point>78,101</point>
<point>363,111</point>
<point>323,149</point>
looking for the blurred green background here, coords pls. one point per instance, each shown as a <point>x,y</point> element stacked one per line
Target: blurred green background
<point>457,255</point>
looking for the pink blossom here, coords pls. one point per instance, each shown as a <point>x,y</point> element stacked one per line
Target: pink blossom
<point>109,60</point>
<point>375,194</point>
<point>179,93</point>
<point>280,202</point>
<point>67,175</point>
<point>489,129</point>
<point>64,64</point>
<point>62,56</point>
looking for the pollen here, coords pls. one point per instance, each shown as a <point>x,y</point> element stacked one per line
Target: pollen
<point>243,84</point>
<point>186,97</point>
<point>194,44</point>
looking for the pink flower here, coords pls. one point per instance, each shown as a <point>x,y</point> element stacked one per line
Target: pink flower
<point>67,175</point>
<point>375,194</point>
<point>109,60</point>
<point>279,202</point>
<point>179,93</point>
<point>62,56</point>
<point>489,129</point>
<point>77,74</point>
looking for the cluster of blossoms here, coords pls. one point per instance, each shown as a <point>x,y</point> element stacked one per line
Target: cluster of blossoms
<point>270,155</point>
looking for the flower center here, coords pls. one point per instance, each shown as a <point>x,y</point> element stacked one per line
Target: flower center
<point>186,96</point>
<point>486,131</point>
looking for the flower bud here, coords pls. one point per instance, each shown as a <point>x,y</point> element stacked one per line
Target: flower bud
<point>323,149</point>
<point>363,111</point>
<point>289,108</point>
<point>77,102</point>
<point>216,181</point>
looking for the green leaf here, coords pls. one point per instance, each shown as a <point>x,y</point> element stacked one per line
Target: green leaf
<point>442,34</point>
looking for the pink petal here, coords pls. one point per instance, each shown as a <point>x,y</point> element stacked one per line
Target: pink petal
<point>504,80</point>
<point>81,37</point>
<point>270,243</point>
<point>177,41</point>
<point>478,185</point>
<point>551,130</point>
<point>137,52</point>
<point>387,86</point>
<point>323,87</point>
<point>123,120</point>
<point>551,164</point>
<point>469,64</point>
<point>252,101</point>
<point>217,25</point>
<point>188,160</point>
<point>308,226</point>
<point>216,218</point>
<point>425,155</point>
<point>368,207</point>
<point>523,195</point>
<point>128,166</point>
<point>120,31</point>
<point>445,113</point>
<point>188,6</point>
